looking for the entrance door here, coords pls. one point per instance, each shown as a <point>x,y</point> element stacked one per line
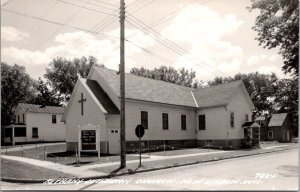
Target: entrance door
<point>114,141</point>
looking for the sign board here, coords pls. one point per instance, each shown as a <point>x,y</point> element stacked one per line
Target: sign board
<point>88,140</point>
<point>140,131</point>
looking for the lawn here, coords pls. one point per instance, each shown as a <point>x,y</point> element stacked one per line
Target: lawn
<point>57,153</point>
<point>17,170</point>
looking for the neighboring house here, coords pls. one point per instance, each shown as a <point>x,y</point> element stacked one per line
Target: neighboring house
<point>172,114</point>
<point>280,128</point>
<point>275,127</point>
<point>35,123</point>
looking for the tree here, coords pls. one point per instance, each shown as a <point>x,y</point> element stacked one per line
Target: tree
<point>45,96</point>
<point>169,74</point>
<point>260,87</point>
<point>16,87</point>
<point>62,74</point>
<point>278,26</point>
<point>287,99</point>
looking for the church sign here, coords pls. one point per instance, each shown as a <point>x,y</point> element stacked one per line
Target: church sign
<point>88,139</point>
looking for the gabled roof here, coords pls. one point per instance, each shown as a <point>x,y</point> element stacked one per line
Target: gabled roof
<point>216,95</point>
<point>102,97</point>
<point>41,109</point>
<point>250,124</point>
<point>141,88</point>
<point>146,89</point>
<point>260,118</point>
<point>277,119</point>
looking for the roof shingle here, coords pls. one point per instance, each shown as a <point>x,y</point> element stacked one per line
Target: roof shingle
<point>277,119</point>
<point>216,95</point>
<point>146,89</point>
<point>39,109</point>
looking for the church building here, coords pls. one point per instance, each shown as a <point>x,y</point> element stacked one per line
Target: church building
<point>173,115</point>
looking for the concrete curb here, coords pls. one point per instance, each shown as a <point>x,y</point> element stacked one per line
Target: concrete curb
<point>15,180</point>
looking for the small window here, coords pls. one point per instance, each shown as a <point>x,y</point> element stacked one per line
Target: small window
<point>144,119</point>
<point>20,131</point>
<point>53,119</point>
<point>183,122</point>
<point>35,132</point>
<point>18,118</point>
<point>165,121</point>
<point>270,135</point>
<point>247,117</point>
<point>202,122</point>
<point>232,119</point>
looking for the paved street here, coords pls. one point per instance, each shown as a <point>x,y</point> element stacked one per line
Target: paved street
<point>274,171</point>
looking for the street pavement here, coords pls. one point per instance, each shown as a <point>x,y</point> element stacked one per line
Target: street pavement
<point>272,171</point>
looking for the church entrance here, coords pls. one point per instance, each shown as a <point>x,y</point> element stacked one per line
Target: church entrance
<point>114,141</point>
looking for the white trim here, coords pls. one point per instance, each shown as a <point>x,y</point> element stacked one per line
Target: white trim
<point>194,99</point>
<point>81,81</point>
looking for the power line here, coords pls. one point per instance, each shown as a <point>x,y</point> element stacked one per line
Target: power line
<point>142,7</point>
<point>167,17</point>
<point>171,43</point>
<point>38,22</point>
<point>168,45</point>
<point>5,3</point>
<point>163,59</point>
<point>107,3</point>
<point>97,5</point>
<point>49,21</point>
<point>106,22</point>
<point>87,8</point>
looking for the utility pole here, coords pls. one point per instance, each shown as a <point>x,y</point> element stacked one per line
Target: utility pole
<point>122,85</point>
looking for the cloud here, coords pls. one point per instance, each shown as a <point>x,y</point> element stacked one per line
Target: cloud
<point>12,35</point>
<point>77,44</point>
<point>204,31</point>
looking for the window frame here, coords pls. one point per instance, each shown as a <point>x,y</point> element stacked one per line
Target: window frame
<point>202,122</point>
<point>37,132</point>
<point>183,125</point>
<point>231,120</point>
<point>272,135</point>
<point>54,120</point>
<point>165,122</point>
<point>144,121</point>
<point>247,117</point>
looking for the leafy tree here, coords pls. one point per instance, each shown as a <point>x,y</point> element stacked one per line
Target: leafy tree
<point>169,74</point>
<point>62,74</point>
<point>287,99</point>
<point>277,25</point>
<point>261,88</point>
<point>45,96</point>
<point>16,87</point>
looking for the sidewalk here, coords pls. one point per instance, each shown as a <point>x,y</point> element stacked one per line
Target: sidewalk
<point>27,146</point>
<point>153,162</point>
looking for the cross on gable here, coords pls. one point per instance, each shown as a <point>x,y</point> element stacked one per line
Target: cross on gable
<point>81,101</point>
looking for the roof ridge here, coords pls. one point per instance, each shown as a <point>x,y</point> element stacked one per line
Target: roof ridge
<point>219,85</point>
<point>39,105</point>
<point>181,86</point>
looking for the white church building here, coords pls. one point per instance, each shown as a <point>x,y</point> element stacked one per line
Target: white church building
<point>172,114</point>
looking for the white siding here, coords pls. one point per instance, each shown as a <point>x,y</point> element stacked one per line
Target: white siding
<point>46,130</point>
<point>92,115</point>
<point>155,130</point>
<point>240,107</point>
<point>215,123</point>
<point>218,119</point>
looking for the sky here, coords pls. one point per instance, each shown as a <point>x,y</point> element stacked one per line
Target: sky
<point>211,37</point>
